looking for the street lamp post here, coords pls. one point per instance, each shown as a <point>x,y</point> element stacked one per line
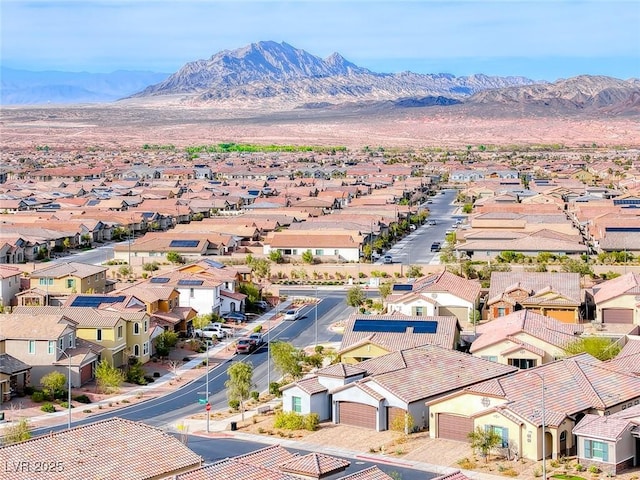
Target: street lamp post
<point>68,386</point>
<point>206,388</point>
<point>544,439</point>
<point>316,315</point>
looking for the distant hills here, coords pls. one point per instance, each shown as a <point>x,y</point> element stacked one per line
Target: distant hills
<point>270,75</point>
<point>23,87</point>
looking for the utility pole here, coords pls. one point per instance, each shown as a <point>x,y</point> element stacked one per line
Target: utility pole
<point>207,386</point>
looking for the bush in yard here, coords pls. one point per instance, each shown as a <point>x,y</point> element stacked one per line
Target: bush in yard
<point>295,421</point>
<point>135,372</point>
<point>65,405</point>
<point>37,397</point>
<point>234,404</point>
<point>255,395</point>
<point>274,389</point>
<point>149,379</point>
<point>82,398</point>
<point>53,384</point>
<point>311,422</point>
<point>48,408</point>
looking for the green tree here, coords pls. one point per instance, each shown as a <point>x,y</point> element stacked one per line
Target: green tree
<point>276,256</point>
<point>601,348</point>
<point>135,372</point>
<point>108,378</point>
<point>260,266</point>
<point>414,271</point>
<point>385,289</point>
<point>124,270</point>
<point>66,243</point>
<point>240,383</point>
<point>307,257</point>
<point>151,267</point>
<point>467,208</point>
<point>355,296</point>
<point>53,383</point>
<point>202,320</point>
<point>165,342</point>
<point>286,359</point>
<point>484,440</point>
<point>16,431</point>
<point>573,265</point>
<point>174,257</point>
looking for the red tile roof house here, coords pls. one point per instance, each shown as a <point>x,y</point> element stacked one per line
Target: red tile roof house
<point>373,393</point>
<point>513,405</point>
<point>556,295</point>
<point>440,294</point>
<point>524,339</point>
<point>617,300</point>
<point>108,449</point>
<point>611,442</point>
<point>346,247</point>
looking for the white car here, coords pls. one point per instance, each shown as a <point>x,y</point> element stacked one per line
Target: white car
<point>291,315</point>
<point>210,331</point>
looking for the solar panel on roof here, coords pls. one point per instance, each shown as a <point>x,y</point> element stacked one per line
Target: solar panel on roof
<point>184,243</point>
<point>190,282</point>
<point>95,301</point>
<point>402,288</point>
<point>394,326</point>
<point>159,280</point>
<point>213,263</point>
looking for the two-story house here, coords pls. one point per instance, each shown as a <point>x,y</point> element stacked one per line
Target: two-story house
<point>9,284</point>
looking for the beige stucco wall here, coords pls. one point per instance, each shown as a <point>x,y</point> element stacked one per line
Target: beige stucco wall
<point>363,351</point>
<point>551,351</point>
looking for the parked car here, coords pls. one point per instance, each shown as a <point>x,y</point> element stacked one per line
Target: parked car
<point>262,305</point>
<point>431,222</point>
<point>210,331</point>
<point>234,316</point>
<point>291,315</point>
<point>256,339</point>
<point>387,259</point>
<point>225,327</point>
<point>435,247</point>
<point>243,345</point>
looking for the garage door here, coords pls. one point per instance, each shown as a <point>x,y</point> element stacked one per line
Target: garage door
<point>461,312</point>
<point>394,413</point>
<point>454,427</point>
<point>617,315</point>
<point>357,414</point>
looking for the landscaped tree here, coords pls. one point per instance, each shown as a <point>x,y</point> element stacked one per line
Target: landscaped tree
<point>385,289</point>
<point>484,441</point>
<point>150,267</point>
<point>174,257</point>
<point>108,378</point>
<point>240,383</point>
<point>600,347</point>
<point>16,431</point>
<point>355,296</point>
<point>286,359</point>
<point>307,257</point>
<point>202,320</point>
<point>276,256</point>
<point>414,271</point>
<point>53,383</point>
<point>165,342</point>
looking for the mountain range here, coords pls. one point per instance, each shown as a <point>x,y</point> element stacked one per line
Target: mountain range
<point>278,76</point>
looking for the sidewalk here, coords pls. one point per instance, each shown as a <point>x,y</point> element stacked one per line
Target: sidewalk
<point>161,385</point>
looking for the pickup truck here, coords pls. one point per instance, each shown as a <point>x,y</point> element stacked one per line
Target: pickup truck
<point>210,331</point>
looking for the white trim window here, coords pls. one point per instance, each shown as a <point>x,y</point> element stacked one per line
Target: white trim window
<point>51,347</point>
<point>31,347</point>
<point>136,329</point>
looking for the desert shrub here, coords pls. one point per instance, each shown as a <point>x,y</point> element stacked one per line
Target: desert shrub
<point>594,469</point>
<point>86,410</point>
<point>311,422</point>
<point>234,404</point>
<point>148,379</point>
<point>135,372</point>
<point>466,463</point>
<point>257,329</point>
<point>66,405</point>
<point>255,395</point>
<point>29,390</point>
<point>579,467</point>
<point>274,389</point>
<point>37,396</point>
<point>295,421</point>
<point>48,408</point>
<point>82,398</point>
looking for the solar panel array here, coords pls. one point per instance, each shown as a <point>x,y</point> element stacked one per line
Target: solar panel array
<point>402,288</point>
<point>190,282</point>
<point>184,243</point>
<point>159,280</point>
<point>213,263</point>
<point>394,326</point>
<point>96,300</point>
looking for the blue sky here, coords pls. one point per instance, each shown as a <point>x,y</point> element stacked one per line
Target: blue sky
<point>544,39</point>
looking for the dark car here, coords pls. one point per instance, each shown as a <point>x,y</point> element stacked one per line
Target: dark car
<point>435,247</point>
<point>243,345</point>
<point>237,317</point>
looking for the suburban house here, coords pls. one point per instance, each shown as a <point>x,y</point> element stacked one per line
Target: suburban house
<point>376,392</point>
<point>554,294</point>
<point>9,285</point>
<point>46,342</point>
<point>617,300</point>
<point>611,442</point>
<point>120,334</point>
<point>512,405</point>
<point>524,339</point>
<point>14,375</point>
<point>52,284</point>
<point>369,336</point>
<point>104,449</point>
<point>440,294</point>
<point>344,247</point>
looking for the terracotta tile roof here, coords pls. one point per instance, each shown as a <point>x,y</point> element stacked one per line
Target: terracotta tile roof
<point>340,370</point>
<point>627,284</point>
<point>522,324</point>
<point>371,473</point>
<point>309,385</point>
<point>234,470</point>
<point>518,344</point>
<point>565,284</point>
<point>430,370</point>
<point>314,465</point>
<point>75,269</point>
<point>629,357</point>
<point>270,456</point>
<point>114,448</point>
<point>592,383</point>
<point>446,281</point>
<point>84,316</point>
<point>607,427</point>
<point>457,475</point>
<point>27,325</point>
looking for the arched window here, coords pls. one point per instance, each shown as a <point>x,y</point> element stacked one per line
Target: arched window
<point>136,350</point>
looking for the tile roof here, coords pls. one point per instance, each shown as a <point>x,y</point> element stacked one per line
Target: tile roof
<point>565,284</point>
<point>314,465</point>
<point>26,325</point>
<point>627,284</point>
<point>84,316</point>
<point>309,385</point>
<point>523,323</point>
<point>59,270</point>
<point>603,427</point>
<point>114,448</point>
<point>340,370</point>
<point>371,473</point>
<point>457,475</point>
<point>10,365</point>
<point>235,470</point>
<point>592,383</point>
<point>629,357</point>
<point>446,281</point>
